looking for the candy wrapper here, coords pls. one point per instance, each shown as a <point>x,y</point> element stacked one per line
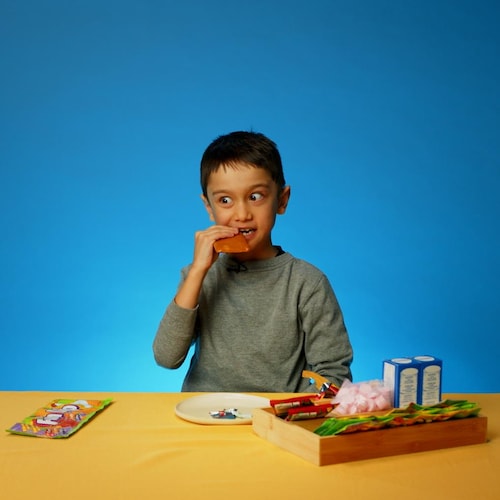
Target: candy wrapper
<point>399,417</point>
<point>362,397</point>
<point>60,418</point>
<point>308,406</point>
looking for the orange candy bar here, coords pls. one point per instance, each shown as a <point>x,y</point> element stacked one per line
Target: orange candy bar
<point>235,244</point>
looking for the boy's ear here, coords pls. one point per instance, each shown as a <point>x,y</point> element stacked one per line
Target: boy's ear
<point>208,207</point>
<point>283,199</point>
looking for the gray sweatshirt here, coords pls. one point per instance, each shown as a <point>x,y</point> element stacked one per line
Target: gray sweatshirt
<point>257,326</point>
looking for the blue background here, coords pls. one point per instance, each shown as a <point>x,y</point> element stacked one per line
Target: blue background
<point>386,115</point>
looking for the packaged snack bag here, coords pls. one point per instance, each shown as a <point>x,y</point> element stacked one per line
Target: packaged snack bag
<point>413,414</point>
<point>60,418</point>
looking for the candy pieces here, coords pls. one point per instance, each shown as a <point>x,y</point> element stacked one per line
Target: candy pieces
<point>234,244</point>
<point>229,413</point>
<point>60,418</point>
<point>362,397</point>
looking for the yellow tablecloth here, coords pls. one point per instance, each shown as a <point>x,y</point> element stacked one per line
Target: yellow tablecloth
<point>138,449</point>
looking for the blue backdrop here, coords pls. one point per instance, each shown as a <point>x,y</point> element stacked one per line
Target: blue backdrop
<point>386,115</point>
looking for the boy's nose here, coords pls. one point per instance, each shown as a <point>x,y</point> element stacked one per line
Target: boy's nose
<point>242,212</point>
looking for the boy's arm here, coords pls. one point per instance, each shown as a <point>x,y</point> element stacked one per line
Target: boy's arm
<point>204,256</point>
<point>328,347</point>
<point>177,327</point>
<point>174,336</point>
<point>189,292</point>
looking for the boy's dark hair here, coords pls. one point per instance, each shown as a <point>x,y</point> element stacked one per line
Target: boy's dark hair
<point>252,148</point>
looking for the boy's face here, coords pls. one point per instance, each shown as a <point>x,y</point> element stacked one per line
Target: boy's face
<point>246,197</point>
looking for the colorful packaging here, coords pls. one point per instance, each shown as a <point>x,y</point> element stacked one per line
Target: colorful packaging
<point>60,418</point>
<point>401,376</point>
<point>281,407</point>
<point>309,412</point>
<point>414,380</point>
<point>302,407</point>
<point>429,380</point>
<point>411,415</point>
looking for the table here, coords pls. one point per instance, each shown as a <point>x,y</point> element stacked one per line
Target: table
<point>138,449</point>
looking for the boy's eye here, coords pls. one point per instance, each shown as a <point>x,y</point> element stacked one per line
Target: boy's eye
<point>256,196</point>
<point>225,200</point>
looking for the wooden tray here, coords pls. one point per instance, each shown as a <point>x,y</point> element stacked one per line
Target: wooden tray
<point>298,437</point>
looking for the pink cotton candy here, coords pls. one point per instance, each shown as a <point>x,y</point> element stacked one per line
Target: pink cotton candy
<point>384,399</point>
<point>362,397</point>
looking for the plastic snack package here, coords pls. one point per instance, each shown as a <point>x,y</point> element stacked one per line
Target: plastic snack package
<point>282,407</point>
<point>413,414</point>
<point>60,418</point>
<point>362,397</point>
<point>307,406</point>
<point>309,412</point>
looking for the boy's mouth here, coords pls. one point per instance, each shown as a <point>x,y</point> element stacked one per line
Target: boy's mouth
<point>246,231</point>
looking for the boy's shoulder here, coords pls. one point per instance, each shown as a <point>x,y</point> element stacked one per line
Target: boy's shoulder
<point>304,264</point>
<point>305,267</point>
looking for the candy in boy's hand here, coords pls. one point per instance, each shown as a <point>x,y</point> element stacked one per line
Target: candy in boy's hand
<point>234,244</point>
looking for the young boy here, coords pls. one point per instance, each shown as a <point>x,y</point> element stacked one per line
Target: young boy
<point>259,318</point>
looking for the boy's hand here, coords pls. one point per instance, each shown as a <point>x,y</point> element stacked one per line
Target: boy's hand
<point>204,256</point>
<point>204,253</point>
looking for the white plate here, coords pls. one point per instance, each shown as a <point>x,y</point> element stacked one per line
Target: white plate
<point>197,409</point>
